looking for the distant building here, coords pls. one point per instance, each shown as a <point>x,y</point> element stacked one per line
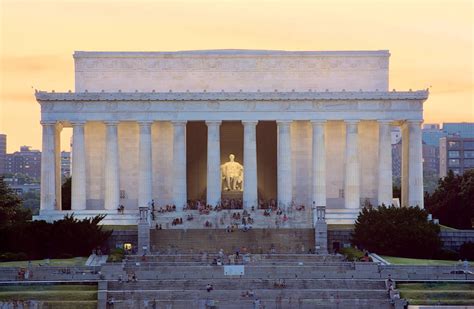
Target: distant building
<point>430,159</point>
<point>431,135</point>
<point>3,152</point>
<point>66,163</point>
<point>26,161</point>
<point>456,154</point>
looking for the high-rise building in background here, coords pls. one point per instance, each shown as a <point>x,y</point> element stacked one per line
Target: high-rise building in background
<point>3,152</point>
<point>66,163</point>
<point>431,135</point>
<point>456,154</point>
<point>27,161</point>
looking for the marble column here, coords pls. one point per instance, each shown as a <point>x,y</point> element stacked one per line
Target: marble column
<point>404,167</point>
<point>385,192</point>
<point>213,162</point>
<point>250,195</point>
<point>319,163</point>
<point>144,165</point>
<point>112,181</point>
<point>57,165</point>
<point>78,190</point>
<point>48,175</point>
<point>415,164</point>
<point>179,164</point>
<point>352,174</point>
<point>284,183</point>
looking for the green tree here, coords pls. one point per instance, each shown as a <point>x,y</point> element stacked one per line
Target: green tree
<point>66,194</point>
<point>10,206</point>
<point>453,200</point>
<point>403,231</point>
<point>31,201</point>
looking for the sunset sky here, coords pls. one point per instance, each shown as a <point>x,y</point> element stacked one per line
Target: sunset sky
<point>431,43</point>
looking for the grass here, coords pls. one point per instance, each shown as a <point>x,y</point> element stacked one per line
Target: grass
<point>77,261</point>
<point>74,293</point>
<point>408,261</point>
<point>442,293</point>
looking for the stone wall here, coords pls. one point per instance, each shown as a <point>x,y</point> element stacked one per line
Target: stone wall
<point>231,70</point>
<point>453,240</point>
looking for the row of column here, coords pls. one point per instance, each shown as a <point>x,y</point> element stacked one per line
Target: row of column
<point>412,175</point>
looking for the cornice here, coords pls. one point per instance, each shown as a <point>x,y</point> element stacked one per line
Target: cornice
<point>231,96</point>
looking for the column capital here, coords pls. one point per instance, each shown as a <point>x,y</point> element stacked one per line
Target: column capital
<point>145,122</point>
<point>111,123</point>
<point>249,122</point>
<point>48,123</point>
<point>78,123</point>
<point>318,122</point>
<point>284,122</point>
<point>385,121</point>
<point>414,121</point>
<point>213,122</point>
<point>179,122</point>
<point>352,121</point>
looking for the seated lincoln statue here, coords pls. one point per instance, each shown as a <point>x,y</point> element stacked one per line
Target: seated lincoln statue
<point>232,174</point>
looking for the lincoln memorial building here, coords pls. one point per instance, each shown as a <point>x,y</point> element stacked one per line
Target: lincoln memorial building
<point>293,128</point>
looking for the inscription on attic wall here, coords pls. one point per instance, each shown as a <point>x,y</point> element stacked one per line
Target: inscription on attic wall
<point>249,73</point>
<point>226,64</point>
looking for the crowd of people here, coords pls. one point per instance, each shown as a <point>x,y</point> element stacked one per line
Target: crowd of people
<point>231,220</point>
<point>177,221</point>
<point>225,204</point>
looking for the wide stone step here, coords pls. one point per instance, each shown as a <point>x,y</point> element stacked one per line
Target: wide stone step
<point>328,259</point>
<point>236,294</point>
<point>212,240</point>
<point>249,303</point>
<point>242,284</point>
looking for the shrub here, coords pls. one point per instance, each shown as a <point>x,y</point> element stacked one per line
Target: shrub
<point>116,255</point>
<point>446,254</point>
<point>394,231</point>
<point>68,237</point>
<point>352,254</point>
<point>13,256</point>
<point>467,251</point>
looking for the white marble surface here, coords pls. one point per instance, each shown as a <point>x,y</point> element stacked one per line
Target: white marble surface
<point>115,91</point>
<point>231,70</point>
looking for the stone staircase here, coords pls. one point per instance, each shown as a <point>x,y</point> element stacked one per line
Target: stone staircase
<point>284,240</point>
<point>277,281</point>
<point>222,219</point>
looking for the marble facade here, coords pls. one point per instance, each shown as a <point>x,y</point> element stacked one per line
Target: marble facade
<point>130,112</point>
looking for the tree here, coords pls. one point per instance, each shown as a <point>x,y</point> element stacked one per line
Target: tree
<point>66,194</point>
<point>31,201</point>
<point>452,201</point>
<point>394,231</point>
<point>63,238</point>
<point>10,206</point>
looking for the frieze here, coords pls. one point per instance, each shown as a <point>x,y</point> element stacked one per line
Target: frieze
<point>91,66</point>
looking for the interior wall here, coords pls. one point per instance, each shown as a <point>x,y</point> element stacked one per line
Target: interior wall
<point>301,157</point>
<point>368,158</point>
<point>162,162</point>
<point>128,139</point>
<point>232,141</point>
<point>196,158</point>
<point>335,166</point>
<point>94,135</point>
<point>267,159</point>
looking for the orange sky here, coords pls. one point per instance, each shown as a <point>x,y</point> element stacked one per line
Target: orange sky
<point>431,43</point>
